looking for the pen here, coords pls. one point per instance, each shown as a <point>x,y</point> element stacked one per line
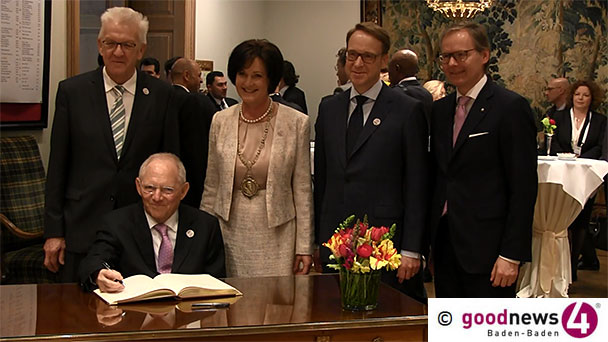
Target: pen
<point>210,305</point>
<point>105,264</point>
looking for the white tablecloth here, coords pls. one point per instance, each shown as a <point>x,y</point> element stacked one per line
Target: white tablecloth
<point>563,190</point>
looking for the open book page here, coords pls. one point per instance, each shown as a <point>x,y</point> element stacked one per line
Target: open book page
<point>196,285</point>
<point>137,287</point>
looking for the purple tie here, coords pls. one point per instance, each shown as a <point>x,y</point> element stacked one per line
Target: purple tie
<point>460,116</point>
<point>165,252</point>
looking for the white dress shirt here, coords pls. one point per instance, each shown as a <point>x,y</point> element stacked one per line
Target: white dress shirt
<point>172,223</point>
<point>128,97</point>
<point>473,93</point>
<point>371,94</point>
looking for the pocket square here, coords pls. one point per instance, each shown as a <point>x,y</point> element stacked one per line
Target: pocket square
<point>478,134</point>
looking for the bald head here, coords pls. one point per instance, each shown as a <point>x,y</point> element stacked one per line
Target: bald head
<point>403,63</point>
<point>557,91</point>
<point>187,73</point>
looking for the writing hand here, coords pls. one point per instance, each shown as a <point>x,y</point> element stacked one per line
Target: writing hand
<point>106,281</point>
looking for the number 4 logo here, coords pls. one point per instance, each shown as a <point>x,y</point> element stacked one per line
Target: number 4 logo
<point>579,319</point>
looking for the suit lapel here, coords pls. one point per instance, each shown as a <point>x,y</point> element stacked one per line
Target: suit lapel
<point>99,107</point>
<point>340,121</point>
<point>481,107</point>
<point>183,243</point>
<point>143,238</point>
<point>445,128</point>
<point>279,147</point>
<point>378,113</point>
<point>141,106</point>
<point>230,134</point>
<point>566,129</point>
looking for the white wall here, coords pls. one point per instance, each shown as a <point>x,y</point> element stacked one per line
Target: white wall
<point>58,72</point>
<point>308,32</point>
<point>223,24</point>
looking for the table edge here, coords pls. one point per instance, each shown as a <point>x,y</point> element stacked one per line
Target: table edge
<point>232,331</point>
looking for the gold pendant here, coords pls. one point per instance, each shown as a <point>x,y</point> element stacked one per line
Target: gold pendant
<point>249,187</point>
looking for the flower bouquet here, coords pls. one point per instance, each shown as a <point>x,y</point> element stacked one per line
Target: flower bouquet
<point>361,252</point>
<point>548,127</point>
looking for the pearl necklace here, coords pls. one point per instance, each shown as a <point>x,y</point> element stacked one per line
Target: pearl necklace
<point>258,119</point>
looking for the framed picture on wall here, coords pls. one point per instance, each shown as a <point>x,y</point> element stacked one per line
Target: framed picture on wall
<point>206,67</point>
<point>371,10</point>
<point>24,79</point>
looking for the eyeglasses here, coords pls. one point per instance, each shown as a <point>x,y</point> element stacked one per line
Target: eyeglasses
<point>150,189</point>
<point>459,56</point>
<point>111,45</point>
<point>366,57</point>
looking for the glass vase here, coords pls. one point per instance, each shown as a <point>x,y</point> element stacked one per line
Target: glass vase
<point>359,291</point>
<point>548,138</point>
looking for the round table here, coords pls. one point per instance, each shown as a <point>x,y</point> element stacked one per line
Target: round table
<point>563,189</point>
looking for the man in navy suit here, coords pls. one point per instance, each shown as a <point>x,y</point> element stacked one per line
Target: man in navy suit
<point>107,122</point>
<point>402,70</point>
<point>195,115</point>
<point>484,149</point>
<point>131,243</point>
<point>371,157</point>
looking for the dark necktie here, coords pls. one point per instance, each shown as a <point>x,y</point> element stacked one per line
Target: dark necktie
<point>355,125</point>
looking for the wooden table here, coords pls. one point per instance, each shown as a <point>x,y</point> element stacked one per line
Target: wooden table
<point>302,308</point>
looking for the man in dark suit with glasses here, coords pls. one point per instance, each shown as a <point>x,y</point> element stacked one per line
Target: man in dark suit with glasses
<point>371,158</point>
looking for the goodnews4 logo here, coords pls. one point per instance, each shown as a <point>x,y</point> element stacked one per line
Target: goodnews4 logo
<point>495,319</point>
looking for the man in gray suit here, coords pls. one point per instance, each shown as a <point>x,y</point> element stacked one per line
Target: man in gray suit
<point>107,122</point>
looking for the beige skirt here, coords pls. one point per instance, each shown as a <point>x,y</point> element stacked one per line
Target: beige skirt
<point>252,248</point>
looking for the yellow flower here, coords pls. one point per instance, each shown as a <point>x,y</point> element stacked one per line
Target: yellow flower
<point>385,255</point>
<point>334,243</point>
<point>360,267</point>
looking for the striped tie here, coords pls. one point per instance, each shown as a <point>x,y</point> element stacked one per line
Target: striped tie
<point>117,119</point>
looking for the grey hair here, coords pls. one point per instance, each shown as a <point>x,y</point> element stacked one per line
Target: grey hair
<point>181,170</point>
<point>125,15</point>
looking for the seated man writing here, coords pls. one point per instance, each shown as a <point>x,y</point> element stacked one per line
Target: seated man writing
<point>156,235</point>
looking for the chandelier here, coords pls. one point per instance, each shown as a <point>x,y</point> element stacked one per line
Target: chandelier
<point>459,8</point>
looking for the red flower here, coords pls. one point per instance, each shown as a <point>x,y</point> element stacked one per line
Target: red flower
<point>551,121</point>
<point>348,262</point>
<point>362,228</point>
<point>377,233</point>
<point>345,251</point>
<point>346,234</point>
<point>365,251</point>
